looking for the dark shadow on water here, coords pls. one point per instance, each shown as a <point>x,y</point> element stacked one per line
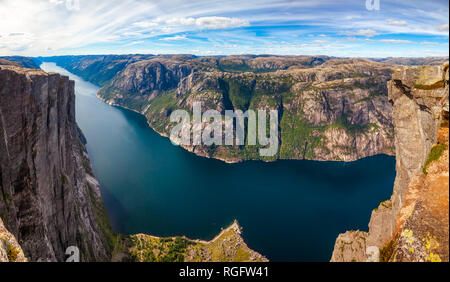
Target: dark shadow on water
<point>116,213</point>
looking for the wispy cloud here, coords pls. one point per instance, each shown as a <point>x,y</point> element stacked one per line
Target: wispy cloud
<point>396,41</point>
<point>173,38</point>
<point>209,22</point>
<point>442,27</point>
<point>334,27</point>
<point>429,43</point>
<point>134,43</point>
<point>221,22</point>
<point>394,22</point>
<point>362,32</point>
<point>145,24</point>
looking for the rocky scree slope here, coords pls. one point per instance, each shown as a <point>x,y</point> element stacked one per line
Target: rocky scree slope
<point>49,198</point>
<point>413,224</point>
<point>329,109</point>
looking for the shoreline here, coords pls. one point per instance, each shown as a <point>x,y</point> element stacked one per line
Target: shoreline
<point>233,226</point>
<point>228,161</point>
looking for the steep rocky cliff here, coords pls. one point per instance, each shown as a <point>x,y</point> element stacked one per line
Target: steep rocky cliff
<point>413,224</point>
<point>49,199</point>
<point>328,110</point>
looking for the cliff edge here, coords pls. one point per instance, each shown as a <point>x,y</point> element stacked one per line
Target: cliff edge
<point>413,224</point>
<point>49,198</point>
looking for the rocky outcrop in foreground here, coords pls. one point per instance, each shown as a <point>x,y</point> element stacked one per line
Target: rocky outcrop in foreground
<point>413,224</point>
<point>49,199</point>
<point>10,250</point>
<point>228,246</point>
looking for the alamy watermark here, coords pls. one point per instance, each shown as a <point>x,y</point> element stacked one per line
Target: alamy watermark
<point>73,253</point>
<point>208,128</point>
<point>373,5</point>
<point>73,5</point>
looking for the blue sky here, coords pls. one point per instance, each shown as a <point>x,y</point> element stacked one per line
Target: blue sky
<point>348,28</point>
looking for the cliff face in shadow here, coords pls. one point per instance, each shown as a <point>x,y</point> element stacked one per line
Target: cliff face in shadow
<point>413,224</point>
<point>49,199</point>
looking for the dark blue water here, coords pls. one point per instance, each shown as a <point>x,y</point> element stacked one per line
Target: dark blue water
<point>289,210</point>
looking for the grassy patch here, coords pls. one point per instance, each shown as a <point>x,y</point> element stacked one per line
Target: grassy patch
<point>152,249</point>
<point>372,95</point>
<point>63,179</point>
<point>8,198</point>
<point>387,251</point>
<point>12,252</point>
<point>240,93</point>
<point>435,153</point>
<point>163,102</point>
<point>227,66</point>
<point>439,84</point>
<point>298,138</point>
<point>102,218</point>
<point>354,129</point>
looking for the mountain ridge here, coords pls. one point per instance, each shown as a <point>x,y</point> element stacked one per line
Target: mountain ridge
<point>342,90</point>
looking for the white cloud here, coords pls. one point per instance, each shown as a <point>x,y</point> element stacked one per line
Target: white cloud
<point>134,43</point>
<point>101,26</point>
<point>145,24</point>
<point>221,22</point>
<point>442,27</point>
<point>173,38</point>
<point>396,41</point>
<point>180,21</point>
<point>429,43</point>
<point>349,39</point>
<point>363,32</point>
<point>208,22</point>
<point>394,22</point>
<point>57,2</point>
<point>51,26</point>
<point>17,41</point>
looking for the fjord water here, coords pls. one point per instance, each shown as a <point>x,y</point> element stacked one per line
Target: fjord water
<point>289,210</point>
